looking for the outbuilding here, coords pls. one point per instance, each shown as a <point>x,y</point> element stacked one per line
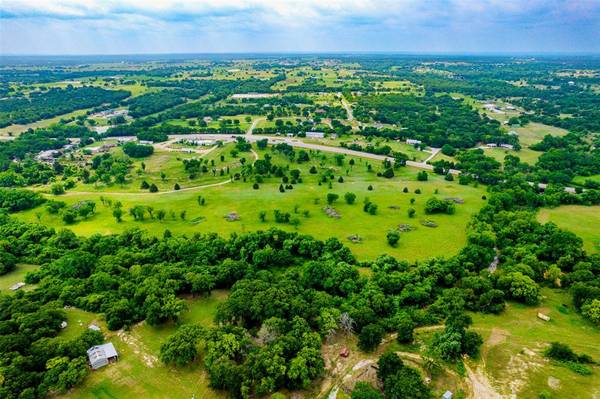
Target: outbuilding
<point>101,355</point>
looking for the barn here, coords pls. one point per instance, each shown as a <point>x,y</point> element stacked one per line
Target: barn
<point>101,355</point>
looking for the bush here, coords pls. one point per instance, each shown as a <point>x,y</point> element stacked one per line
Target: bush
<point>176,186</point>
<point>561,352</point>
<point>422,176</point>
<point>255,186</point>
<point>153,188</point>
<point>434,205</point>
<point>393,236</point>
<point>388,173</point>
<point>57,189</point>
<point>350,198</point>
<point>331,198</point>
<point>411,212</point>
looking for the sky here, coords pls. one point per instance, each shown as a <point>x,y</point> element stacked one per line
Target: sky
<point>72,27</point>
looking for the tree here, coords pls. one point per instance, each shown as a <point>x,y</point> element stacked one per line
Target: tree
<point>388,173</point>
<point>153,188</point>
<point>388,364</point>
<point>57,189</point>
<point>331,198</point>
<point>69,216</point>
<point>393,236</point>
<point>591,310</point>
<point>364,390</point>
<point>118,214</point>
<point>262,216</point>
<point>176,186</point>
<point>422,176</point>
<point>405,327</point>
<point>181,348</point>
<point>411,212</point>
<point>370,337</point>
<point>407,383</point>
<point>520,287</point>
<point>350,198</point>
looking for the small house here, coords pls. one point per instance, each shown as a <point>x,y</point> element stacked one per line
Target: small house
<point>507,146</point>
<point>315,135</point>
<point>491,145</point>
<point>94,327</point>
<point>447,395</point>
<point>146,142</point>
<point>63,324</point>
<point>413,141</point>
<point>101,355</point>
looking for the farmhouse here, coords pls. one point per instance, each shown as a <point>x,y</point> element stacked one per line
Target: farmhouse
<point>315,135</point>
<point>101,355</point>
<point>507,146</point>
<point>413,141</point>
<point>146,142</point>
<point>47,156</point>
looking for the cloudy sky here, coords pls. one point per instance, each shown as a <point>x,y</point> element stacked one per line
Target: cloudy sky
<point>184,26</point>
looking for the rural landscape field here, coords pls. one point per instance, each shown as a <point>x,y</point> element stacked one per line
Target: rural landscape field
<point>328,225</point>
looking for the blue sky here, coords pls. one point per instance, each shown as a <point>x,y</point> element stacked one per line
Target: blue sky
<point>185,26</point>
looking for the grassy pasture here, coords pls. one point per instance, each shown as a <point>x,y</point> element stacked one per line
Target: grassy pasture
<point>581,220</point>
<point>238,196</point>
<point>514,341</point>
<point>534,132</point>
<point>138,371</point>
<point>16,276</point>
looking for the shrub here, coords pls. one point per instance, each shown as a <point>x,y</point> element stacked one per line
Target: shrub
<point>434,205</point>
<point>411,212</point>
<point>393,236</point>
<point>153,188</point>
<point>331,198</point>
<point>57,189</point>
<point>350,198</point>
<point>255,186</point>
<point>422,176</point>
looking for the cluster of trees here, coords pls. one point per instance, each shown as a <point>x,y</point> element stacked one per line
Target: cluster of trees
<point>435,120</point>
<point>138,150</point>
<point>15,200</point>
<point>436,205</point>
<point>151,103</point>
<point>43,105</point>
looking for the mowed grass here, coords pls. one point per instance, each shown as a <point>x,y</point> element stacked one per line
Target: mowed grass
<point>514,341</point>
<point>525,154</point>
<point>238,196</point>
<point>16,276</point>
<point>139,373</point>
<point>534,132</point>
<point>581,220</point>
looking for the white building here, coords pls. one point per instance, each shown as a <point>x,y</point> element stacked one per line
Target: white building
<point>101,355</point>
<point>507,146</point>
<point>413,141</point>
<point>315,135</point>
<point>146,142</point>
<point>17,286</point>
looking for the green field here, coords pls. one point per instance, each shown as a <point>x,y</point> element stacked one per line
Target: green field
<point>514,341</point>
<point>581,220</point>
<point>534,132</point>
<point>239,197</point>
<point>139,373</point>
<point>16,276</point>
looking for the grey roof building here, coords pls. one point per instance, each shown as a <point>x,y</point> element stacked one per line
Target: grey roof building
<point>101,355</point>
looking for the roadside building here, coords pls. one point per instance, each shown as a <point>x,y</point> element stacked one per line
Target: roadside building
<point>315,135</point>
<point>101,355</point>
